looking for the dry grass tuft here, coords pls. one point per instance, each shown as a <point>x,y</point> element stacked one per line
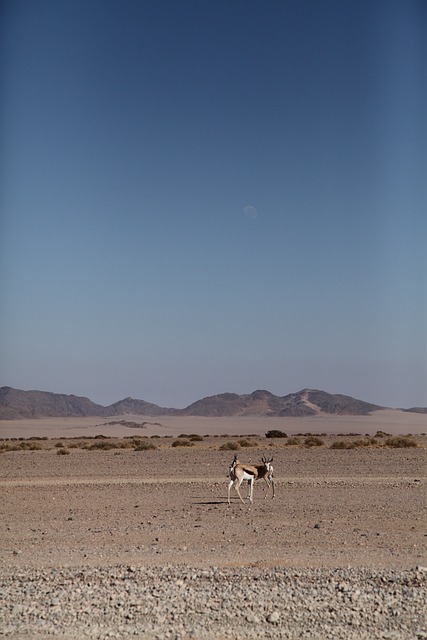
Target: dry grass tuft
<point>400,442</point>
<point>229,446</point>
<point>342,444</point>
<point>313,441</point>
<point>144,446</point>
<point>182,442</point>
<point>247,443</point>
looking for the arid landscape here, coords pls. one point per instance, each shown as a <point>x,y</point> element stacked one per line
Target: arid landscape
<point>142,494</point>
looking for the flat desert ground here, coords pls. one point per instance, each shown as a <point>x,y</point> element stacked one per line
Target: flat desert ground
<point>123,513</point>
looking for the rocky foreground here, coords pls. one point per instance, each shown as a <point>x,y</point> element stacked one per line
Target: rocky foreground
<point>143,544</point>
<point>181,602</point>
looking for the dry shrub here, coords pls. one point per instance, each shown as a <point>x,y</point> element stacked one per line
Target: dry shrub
<point>28,446</point>
<point>247,443</point>
<point>107,445</point>
<point>313,441</point>
<point>342,444</point>
<point>368,442</point>
<point>144,446</point>
<point>229,446</point>
<point>62,452</point>
<point>293,441</point>
<point>76,445</point>
<point>275,433</point>
<point>182,442</point>
<point>400,442</point>
<point>194,437</point>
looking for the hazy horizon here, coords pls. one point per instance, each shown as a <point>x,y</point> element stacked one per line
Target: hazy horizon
<point>199,198</point>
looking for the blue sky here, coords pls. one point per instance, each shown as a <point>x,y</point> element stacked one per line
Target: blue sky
<point>200,197</point>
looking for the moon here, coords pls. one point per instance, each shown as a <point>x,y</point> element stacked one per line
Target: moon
<point>250,211</point>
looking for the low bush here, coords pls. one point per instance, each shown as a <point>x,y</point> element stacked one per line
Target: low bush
<point>63,452</point>
<point>247,443</point>
<point>368,442</point>
<point>342,444</point>
<point>293,441</point>
<point>400,442</point>
<point>313,441</point>
<point>194,437</point>
<point>144,446</point>
<point>275,433</point>
<point>107,445</point>
<point>229,446</point>
<point>181,442</point>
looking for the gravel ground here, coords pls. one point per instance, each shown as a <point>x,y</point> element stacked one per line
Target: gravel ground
<point>180,602</point>
<point>142,544</point>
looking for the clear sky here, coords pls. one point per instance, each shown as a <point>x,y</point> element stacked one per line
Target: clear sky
<point>214,195</point>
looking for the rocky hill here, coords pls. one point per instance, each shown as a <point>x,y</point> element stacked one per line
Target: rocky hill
<point>15,404</point>
<point>263,403</point>
<point>137,407</point>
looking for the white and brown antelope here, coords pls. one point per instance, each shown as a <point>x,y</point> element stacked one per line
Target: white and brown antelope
<point>239,472</point>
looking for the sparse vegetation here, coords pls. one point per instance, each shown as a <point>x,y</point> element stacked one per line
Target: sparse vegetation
<point>102,445</point>
<point>231,442</point>
<point>381,434</point>
<point>22,446</point>
<point>63,452</point>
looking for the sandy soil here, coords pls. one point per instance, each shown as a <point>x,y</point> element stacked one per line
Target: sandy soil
<point>359,507</point>
<point>392,421</point>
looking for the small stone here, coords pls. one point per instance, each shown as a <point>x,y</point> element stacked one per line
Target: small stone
<point>273,617</point>
<point>252,618</point>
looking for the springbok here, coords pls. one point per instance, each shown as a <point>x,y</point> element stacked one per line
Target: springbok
<point>239,472</point>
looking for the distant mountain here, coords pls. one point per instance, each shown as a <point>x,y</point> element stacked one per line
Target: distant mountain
<point>137,407</point>
<point>416,410</point>
<point>263,403</point>
<point>15,404</point>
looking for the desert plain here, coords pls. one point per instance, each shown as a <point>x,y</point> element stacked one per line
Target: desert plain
<point>121,528</point>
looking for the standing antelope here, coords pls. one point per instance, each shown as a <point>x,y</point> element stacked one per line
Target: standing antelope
<point>239,472</point>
